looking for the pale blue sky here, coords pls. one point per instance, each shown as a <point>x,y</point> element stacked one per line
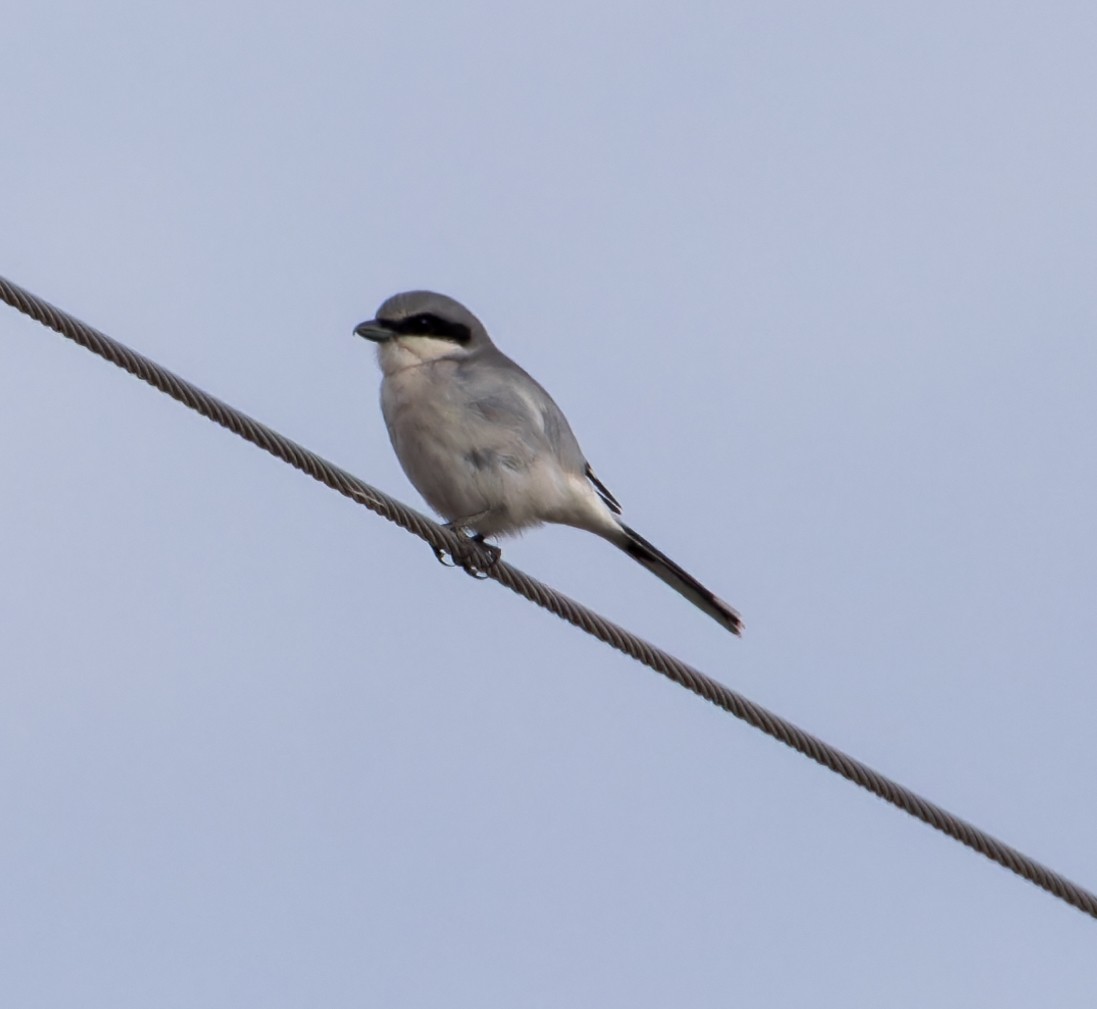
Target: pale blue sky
<point>815,284</point>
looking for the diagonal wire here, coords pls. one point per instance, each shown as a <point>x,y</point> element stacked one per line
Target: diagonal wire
<point>474,558</point>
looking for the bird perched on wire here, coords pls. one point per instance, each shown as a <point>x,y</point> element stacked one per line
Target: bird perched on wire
<point>486,446</point>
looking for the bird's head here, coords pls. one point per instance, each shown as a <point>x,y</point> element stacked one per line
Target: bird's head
<point>423,325</point>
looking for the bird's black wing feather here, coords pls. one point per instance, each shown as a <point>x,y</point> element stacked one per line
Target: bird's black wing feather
<point>603,492</point>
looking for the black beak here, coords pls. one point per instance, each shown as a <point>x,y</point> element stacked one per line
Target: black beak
<point>373,330</point>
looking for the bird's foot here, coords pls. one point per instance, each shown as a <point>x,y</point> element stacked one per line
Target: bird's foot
<point>464,559</point>
<point>493,552</point>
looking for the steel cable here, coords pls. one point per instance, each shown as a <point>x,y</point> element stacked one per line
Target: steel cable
<point>475,559</point>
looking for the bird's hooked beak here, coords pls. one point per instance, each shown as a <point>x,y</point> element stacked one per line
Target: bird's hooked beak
<point>374,330</point>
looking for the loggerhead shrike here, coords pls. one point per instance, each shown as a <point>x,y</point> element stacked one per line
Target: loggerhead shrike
<point>486,446</point>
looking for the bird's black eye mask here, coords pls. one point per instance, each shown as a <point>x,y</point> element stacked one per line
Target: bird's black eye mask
<point>429,324</point>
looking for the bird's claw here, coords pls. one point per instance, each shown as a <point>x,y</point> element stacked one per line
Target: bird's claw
<point>493,552</point>
<point>473,571</point>
<point>440,557</point>
<point>465,560</point>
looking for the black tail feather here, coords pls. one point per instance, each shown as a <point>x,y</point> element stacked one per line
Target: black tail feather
<point>660,565</point>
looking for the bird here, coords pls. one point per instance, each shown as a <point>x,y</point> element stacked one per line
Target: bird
<point>487,447</point>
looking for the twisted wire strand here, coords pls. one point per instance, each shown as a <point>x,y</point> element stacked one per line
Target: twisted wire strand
<point>475,559</point>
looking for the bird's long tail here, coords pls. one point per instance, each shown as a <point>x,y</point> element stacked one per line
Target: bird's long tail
<point>660,565</point>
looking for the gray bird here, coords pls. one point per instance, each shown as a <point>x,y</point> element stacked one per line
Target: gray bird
<point>486,446</point>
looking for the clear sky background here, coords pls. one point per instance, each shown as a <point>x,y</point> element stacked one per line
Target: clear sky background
<point>815,284</point>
